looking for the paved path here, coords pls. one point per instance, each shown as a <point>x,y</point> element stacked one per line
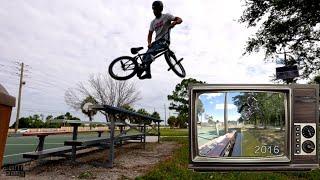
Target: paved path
<point>155,138</point>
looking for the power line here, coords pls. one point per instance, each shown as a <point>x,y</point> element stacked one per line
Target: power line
<point>48,84</point>
<point>48,111</point>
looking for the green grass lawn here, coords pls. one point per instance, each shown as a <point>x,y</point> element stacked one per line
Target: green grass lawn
<point>177,168</point>
<point>173,132</point>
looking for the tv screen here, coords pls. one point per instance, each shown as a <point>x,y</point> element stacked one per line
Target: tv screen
<point>241,124</point>
<point>253,127</point>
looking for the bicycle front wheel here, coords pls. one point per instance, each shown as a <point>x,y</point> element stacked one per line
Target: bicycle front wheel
<point>123,68</point>
<point>174,64</point>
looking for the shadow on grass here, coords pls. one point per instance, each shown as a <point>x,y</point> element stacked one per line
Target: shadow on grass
<point>177,168</point>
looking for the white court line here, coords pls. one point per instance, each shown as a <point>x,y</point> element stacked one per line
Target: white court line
<point>30,144</point>
<point>13,154</point>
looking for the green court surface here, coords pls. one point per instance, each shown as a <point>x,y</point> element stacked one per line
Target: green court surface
<point>16,146</point>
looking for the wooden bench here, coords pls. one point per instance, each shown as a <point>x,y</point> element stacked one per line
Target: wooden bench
<point>98,141</point>
<point>86,142</point>
<point>43,153</point>
<point>219,147</point>
<point>49,152</point>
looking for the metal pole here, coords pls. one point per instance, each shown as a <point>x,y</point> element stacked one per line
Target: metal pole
<point>74,137</point>
<point>158,131</point>
<point>144,133</point>
<point>165,115</point>
<point>19,98</point>
<point>41,142</point>
<point>111,151</point>
<point>225,113</point>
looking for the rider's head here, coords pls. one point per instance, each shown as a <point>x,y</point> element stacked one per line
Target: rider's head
<point>157,8</point>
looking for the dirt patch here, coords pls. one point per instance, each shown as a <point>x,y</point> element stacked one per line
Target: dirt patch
<point>131,160</point>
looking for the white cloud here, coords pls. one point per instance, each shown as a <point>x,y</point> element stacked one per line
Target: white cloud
<point>211,96</point>
<point>65,41</point>
<point>221,106</point>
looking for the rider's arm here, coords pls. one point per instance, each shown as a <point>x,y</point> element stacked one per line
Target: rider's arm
<point>149,38</point>
<point>176,20</point>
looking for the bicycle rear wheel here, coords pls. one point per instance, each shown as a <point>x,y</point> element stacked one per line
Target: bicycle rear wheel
<point>174,64</point>
<point>123,68</point>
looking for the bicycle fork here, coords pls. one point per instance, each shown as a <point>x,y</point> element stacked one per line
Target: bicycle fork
<point>175,64</point>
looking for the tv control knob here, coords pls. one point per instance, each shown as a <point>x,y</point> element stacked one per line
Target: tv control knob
<point>308,131</point>
<point>308,146</point>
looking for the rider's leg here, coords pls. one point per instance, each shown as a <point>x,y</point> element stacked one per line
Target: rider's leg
<point>148,56</point>
<point>152,51</point>
<point>148,59</point>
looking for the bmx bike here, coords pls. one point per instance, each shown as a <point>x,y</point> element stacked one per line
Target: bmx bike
<point>125,67</point>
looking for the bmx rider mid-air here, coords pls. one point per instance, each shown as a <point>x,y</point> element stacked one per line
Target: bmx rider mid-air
<point>161,25</point>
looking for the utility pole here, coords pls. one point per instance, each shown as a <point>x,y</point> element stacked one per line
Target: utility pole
<point>165,115</point>
<point>225,113</point>
<point>19,97</point>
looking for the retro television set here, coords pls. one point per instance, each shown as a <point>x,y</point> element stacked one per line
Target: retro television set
<point>253,127</point>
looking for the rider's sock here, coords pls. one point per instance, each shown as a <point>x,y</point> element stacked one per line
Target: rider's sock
<point>146,76</point>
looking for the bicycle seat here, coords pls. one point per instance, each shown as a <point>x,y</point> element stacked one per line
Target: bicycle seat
<point>136,50</point>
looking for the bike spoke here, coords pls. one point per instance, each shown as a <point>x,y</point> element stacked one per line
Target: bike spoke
<point>126,67</point>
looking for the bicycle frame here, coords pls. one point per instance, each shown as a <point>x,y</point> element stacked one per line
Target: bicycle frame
<point>159,53</point>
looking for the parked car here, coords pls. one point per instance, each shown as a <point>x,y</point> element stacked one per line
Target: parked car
<point>23,130</point>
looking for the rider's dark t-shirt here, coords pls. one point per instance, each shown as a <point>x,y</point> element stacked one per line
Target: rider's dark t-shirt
<point>161,25</point>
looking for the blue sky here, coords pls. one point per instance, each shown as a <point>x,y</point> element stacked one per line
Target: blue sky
<point>213,104</point>
<point>63,42</point>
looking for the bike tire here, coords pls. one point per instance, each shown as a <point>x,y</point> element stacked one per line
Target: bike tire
<point>132,62</point>
<point>173,62</point>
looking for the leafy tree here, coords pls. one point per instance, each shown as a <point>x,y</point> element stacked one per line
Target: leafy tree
<point>49,117</point>
<point>210,121</point>
<point>128,107</point>
<point>155,115</point>
<point>285,27</point>
<point>200,108</point>
<point>60,117</point>
<point>182,120</point>
<point>269,110</point>
<point>180,100</point>
<point>315,80</point>
<point>30,122</point>
<point>143,112</point>
<point>132,119</point>
<point>146,113</point>
<point>172,121</point>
